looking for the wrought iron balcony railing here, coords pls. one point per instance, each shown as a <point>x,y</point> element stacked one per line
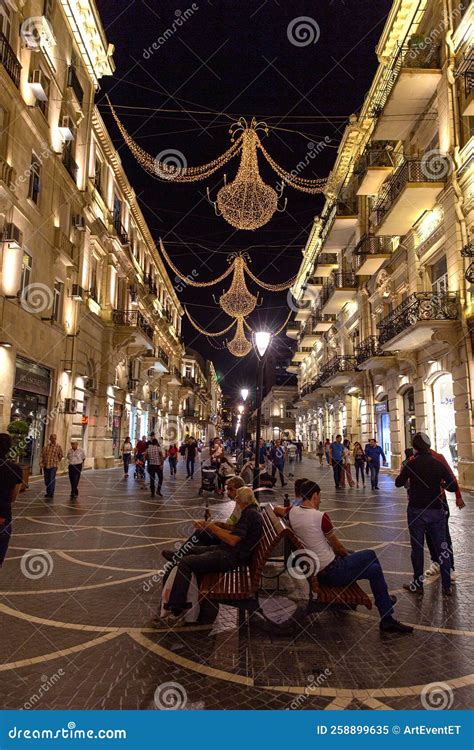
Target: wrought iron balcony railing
<point>338,363</point>
<point>468,76</point>
<point>161,354</point>
<point>326,258</point>
<point>319,317</point>
<point>374,157</point>
<point>369,347</point>
<point>418,307</point>
<point>337,280</point>
<point>468,252</point>
<point>370,245</point>
<point>133,319</point>
<point>121,231</point>
<point>9,60</point>
<point>411,171</point>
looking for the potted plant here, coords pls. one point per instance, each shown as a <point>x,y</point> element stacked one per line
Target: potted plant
<point>19,429</point>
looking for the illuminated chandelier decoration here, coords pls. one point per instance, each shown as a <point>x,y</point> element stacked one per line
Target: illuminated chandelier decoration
<point>246,202</point>
<point>238,301</point>
<point>239,346</point>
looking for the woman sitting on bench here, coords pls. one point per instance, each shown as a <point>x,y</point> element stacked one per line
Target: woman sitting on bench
<point>338,567</point>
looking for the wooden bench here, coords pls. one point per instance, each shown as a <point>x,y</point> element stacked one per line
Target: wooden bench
<point>240,587</point>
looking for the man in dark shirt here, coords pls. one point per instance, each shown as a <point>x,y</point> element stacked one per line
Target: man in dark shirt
<point>231,548</point>
<point>11,480</point>
<point>336,453</point>
<point>424,475</point>
<point>191,450</point>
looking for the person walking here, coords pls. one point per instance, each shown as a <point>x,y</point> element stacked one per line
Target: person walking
<point>336,454</point>
<point>190,453</point>
<point>374,453</point>
<point>76,458</point>
<point>126,454</point>
<point>327,451</point>
<point>154,457</point>
<point>424,475</point>
<point>51,457</point>
<point>225,470</point>
<point>277,457</point>
<point>320,452</point>
<point>360,460</point>
<point>299,450</point>
<point>11,479</point>
<point>140,449</point>
<point>291,452</point>
<point>172,455</point>
<point>346,465</point>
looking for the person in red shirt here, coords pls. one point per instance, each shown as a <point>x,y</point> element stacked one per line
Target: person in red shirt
<point>434,568</point>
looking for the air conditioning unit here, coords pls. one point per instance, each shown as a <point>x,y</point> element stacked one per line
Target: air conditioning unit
<point>38,85</point>
<point>66,127</point>
<point>90,384</point>
<point>70,406</point>
<point>79,223</point>
<point>13,235</point>
<point>77,292</point>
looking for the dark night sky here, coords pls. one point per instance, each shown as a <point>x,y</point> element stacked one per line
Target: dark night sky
<point>234,57</point>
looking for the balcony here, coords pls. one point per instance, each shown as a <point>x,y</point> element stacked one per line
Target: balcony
<point>369,353</point>
<point>411,191</point>
<point>338,371</point>
<point>468,252</point>
<point>342,223</point>
<point>303,312</point>
<point>325,264</point>
<point>412,324</point>
<point>468,99</point>
<point>322,323</point>
<point>74,83</point>
<point>132,324</point>
<point>312,287</point>
<point>292,369</point>
<point>157,360</point>
<point>122,234</point>
<point>415,68</point>
<point>7,176</point>
<point>301,354</point>
<point>372,170</point>
<point>370,253</point>
<point>9,60</point>
<point>64,244</point>
<point>190,414</point>
<point>308,335</point>
<point>341,288</point>
<point>70,164</point>
<point>293,329</point>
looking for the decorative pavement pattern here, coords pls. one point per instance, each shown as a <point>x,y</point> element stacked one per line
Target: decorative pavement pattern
<point>77,596</point>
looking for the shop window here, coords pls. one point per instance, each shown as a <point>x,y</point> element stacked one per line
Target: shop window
<point>57,300</point>
<point>26,266</point>
<point>444,418</point>
<point>439,276</point>
<point>409,416</point>
<point>34,186</point>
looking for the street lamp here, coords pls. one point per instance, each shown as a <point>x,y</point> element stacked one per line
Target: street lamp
<point>261,342</point>
<point>244,392</point>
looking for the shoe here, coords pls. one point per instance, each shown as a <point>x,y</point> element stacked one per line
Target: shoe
<point>433,570</point>
<point>375,488</point>
<point>447,592</point>
<point>413,588</point>
<point>357,485</point>
<point>390,625</point>
<point>454,576</point>
<point>169,555</point>
<point>152,494</point>
<point>159,494</point>
<point>393,598</point>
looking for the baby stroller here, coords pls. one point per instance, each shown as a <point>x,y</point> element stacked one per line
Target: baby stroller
<point>208,479</point>
<point>139,472</point>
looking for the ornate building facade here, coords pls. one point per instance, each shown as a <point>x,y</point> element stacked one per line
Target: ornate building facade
<point>385,290</point>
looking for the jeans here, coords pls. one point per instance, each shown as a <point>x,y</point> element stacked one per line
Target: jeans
<point>337,471</point>
<point>74,471</point>
<point>328,457</point>
<point>172,461</point>
<point>429,541</point>
<point>155,470</point>
<point>50,480</point>
<point>359,566</point>
<point>205,559</point>
<point>430,521</point>
<point>126,461</point>
<point>374,474</point>
<point>190,466</point>
<point>278,467</point>
<point>5,535</point>
<point>359,468</point>
<point>291,466</point>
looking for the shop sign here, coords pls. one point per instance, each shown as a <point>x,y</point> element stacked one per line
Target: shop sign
<point>381,408</point>
<point>32,378</point>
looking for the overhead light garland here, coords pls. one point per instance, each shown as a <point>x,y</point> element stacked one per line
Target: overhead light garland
<point>246,202</point>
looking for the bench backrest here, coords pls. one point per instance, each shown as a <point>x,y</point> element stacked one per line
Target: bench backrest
<point>296,543</point>
<point>272,532</point>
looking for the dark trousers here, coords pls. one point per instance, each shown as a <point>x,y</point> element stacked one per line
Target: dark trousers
<point>50,480</point>
<point>430,521</point>
<point>337,471</point>
<point>429,540</point>
<point>74,471</point>
<point>172,461</point>
<point>359,469</point>
<point>374,474</point>
<point>126,461</point>
<point>190,466</point>
<point>279,468</point>
<point>205,559</point>
<point>155,471</point>
<point>5,535</point>
<point>363,565</point>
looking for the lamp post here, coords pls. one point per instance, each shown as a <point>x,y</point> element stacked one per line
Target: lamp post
<point>261,342</point>
<point>244,392</point>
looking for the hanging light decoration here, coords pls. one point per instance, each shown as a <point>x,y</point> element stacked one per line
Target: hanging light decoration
<point>246,202</point>
<point>238,301</point>
<point>239,346</point>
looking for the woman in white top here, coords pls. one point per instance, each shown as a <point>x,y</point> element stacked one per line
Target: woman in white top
<point>126,454</point>
<point>346,465</point>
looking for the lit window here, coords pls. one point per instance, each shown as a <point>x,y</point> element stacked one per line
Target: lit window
<point>57,300</point>
<point>35,179</point>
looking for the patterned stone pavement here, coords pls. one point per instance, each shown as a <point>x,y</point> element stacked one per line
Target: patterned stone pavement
<point>77,593</point>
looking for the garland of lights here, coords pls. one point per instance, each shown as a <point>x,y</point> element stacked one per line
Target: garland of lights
<point>204,332</point>
<point>283,325</point>
<point>246,202</point>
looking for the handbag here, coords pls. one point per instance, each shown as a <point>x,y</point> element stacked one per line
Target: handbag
<point>191,614</point>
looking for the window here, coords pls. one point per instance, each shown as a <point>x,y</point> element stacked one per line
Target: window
<point>5,20</point>
<point>26,266</point>
<point>43,104</point>
<point>98,174</point>
<point>117,209</point>
<point>439,276</point>
<point>94,289</point>
<point>35,179</point>
<point>57,300</point>
<point>188,371</point>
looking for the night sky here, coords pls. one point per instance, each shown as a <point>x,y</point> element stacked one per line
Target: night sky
<point>232,58</point>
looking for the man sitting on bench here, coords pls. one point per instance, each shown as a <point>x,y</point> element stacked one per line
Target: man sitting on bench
<point>229,550</point>
<point>338,567</point>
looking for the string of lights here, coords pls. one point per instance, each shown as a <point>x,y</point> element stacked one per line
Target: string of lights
<point>203,331</point>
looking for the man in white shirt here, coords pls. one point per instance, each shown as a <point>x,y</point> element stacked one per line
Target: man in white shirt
<point>338,567</point>
<point>76,458</point>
